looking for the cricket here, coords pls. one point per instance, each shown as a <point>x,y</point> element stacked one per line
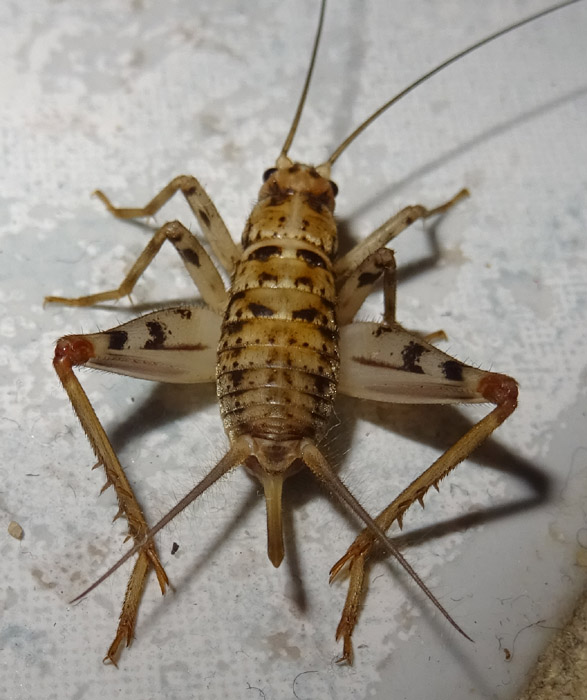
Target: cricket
<point>280,342</point>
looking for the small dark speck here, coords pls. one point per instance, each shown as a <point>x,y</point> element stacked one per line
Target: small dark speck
<point>174,547</point>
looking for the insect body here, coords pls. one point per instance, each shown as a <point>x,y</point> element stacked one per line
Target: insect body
<point>278,361</point>
<point>279,343</point>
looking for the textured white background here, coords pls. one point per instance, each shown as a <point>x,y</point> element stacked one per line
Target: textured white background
<point>125,95</point>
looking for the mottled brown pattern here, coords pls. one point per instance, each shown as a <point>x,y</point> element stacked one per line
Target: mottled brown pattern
<point>278,353</point>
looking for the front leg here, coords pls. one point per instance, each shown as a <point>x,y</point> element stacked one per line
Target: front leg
<point>360,283</point>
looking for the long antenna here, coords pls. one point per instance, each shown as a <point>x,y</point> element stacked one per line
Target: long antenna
<point>298,114</point>
<point>359,130</point>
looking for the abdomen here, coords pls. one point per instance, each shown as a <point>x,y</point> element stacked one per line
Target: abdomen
<point>278,361</point>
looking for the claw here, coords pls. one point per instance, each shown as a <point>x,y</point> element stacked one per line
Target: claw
<point>338,567</point>
<point>357,549</point>
<point>343,632</point>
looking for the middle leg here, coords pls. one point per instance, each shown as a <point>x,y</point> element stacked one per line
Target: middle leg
<point>212,225</point>
<point>360,283</point>
<point>345,265</point>
<point>196,260</point>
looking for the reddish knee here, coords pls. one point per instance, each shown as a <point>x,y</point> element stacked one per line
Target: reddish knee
<point>499,389</point>
<point>73,350</point>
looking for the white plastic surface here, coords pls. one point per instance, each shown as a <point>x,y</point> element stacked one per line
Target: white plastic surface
<point>126,95</point>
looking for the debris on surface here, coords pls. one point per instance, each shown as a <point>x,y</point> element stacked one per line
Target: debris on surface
<point>15,530</point>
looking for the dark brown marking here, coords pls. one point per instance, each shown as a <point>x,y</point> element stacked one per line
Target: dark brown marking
<point>452,370</point>
<point>265,252</point>
<point>311,258</point>
<point>260,310</point>
<point>308,314</point>
<point>411,356</point>
<point>322,385</point>
<point>389,365</point>
<point>186,346</point>
<point>190,191</point>
<point>190,256</point>
<point>117,340</point>
<point>205,218</point>
<point>279,198</point>
<point>235,353</point>
<point>174,548</point>
<point>317,202</point>
<point>157,334</point>
<point>327,333</point>
<point>303,281</point>
<point>234,327</point>
<point>247,232</point>
<point>382,329</point>
<point>184,313</point>
<point>374,363</point>
<point>267,277</point>
<point>368,278</point>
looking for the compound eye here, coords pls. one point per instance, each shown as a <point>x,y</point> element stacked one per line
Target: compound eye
<point>334,188</point>
<point>268,173</point>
